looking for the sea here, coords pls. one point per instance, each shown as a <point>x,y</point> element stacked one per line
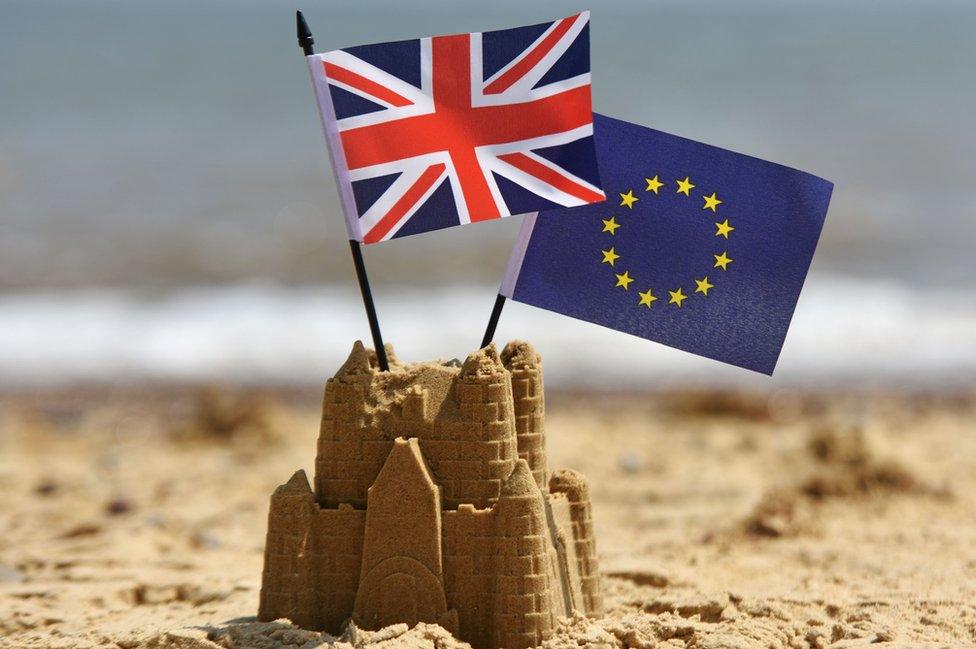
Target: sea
<point>167,212</point>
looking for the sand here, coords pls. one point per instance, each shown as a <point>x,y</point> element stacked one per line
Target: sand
<point>136,518</point>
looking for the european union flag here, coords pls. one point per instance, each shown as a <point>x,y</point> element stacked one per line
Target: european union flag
<point>696,247</point>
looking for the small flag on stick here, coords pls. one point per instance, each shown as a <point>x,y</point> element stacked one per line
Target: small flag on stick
<point>436,132</point>
<point>697,247</point>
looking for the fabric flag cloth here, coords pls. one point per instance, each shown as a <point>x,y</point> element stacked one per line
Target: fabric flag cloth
<point>698,248</point>
<point>435,132</point>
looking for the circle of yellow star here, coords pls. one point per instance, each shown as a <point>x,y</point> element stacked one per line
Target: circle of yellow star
<point>711,202</point>
<point>654,184</point>
<point>685,186</point>
<point>723,229</point>
<point>628,199</point>
<point>646,299</point>
<point>703,286</point>
<point>677,297</point>
<point>610,256</point>
<point>624,280</point>
<point>721,261</point>
<point>610,225</point>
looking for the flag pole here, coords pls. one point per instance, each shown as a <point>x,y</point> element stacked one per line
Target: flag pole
<point>496,313</point>
<point>305,41</point>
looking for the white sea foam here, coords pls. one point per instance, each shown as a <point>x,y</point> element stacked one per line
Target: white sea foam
<point>845,330</point>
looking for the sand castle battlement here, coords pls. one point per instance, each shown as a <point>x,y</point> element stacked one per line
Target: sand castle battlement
<point>432,503</point>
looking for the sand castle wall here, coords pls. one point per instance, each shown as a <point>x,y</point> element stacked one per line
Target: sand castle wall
<point>576,490</point>
<point>463,422</point>
<point>469,568</point>
<point>432,503</point>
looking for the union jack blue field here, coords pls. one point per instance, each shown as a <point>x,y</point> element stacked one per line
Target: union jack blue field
<point>697,247</point>
<point>435,132</point>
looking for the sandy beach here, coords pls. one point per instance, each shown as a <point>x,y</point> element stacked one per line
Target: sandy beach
<point>136,518</point>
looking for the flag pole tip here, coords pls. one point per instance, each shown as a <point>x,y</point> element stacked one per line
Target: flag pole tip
<point>304,34</point>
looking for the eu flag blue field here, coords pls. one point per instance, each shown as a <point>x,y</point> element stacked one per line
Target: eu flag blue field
<point>696,247</point>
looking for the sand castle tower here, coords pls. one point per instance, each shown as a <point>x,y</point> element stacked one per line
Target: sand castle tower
<point>432,503</point>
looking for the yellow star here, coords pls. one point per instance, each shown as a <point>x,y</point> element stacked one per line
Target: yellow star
<point>721,261</point>
<point>677,297</point>
<point>685,186</point>
<point>711,202</point>
<point>723,229</point>
<point>703,286</point>
<point>628,199</point>
<point>624,280</point>
<point>646,299</point>
<point>654,184</point>
<point>609,256</point>
<point>610,225</point>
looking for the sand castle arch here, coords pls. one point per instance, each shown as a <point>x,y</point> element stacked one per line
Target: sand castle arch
<point>431,480</point>
<point>400,589</point>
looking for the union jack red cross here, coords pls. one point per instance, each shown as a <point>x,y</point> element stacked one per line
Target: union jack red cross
<point>449,130</point>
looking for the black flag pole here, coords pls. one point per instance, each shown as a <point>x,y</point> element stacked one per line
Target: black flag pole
<point>305,41</point>
<point>496,313</point>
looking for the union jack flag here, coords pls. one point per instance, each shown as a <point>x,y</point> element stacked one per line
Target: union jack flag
<point>435,132</point>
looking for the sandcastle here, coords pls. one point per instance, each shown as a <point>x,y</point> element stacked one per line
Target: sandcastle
<point>433,503</point>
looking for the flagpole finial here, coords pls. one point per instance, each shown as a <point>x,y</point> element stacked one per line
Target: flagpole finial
<point>305,40</point>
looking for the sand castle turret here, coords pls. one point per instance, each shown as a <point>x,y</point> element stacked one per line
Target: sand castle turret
<point>432,503</point>
<point>523,610</point>
<point>525,367</point>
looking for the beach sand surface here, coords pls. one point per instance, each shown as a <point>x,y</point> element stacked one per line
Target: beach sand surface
<point>135,517</point>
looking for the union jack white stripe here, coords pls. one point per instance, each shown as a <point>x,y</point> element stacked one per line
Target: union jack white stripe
<point>456,129</point>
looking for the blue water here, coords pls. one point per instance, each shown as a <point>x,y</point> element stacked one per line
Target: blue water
<point>164,143</point>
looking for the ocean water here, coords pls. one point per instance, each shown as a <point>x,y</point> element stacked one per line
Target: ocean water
<point>845,332</point>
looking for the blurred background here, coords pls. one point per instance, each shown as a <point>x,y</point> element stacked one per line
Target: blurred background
<point>167,212</point>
